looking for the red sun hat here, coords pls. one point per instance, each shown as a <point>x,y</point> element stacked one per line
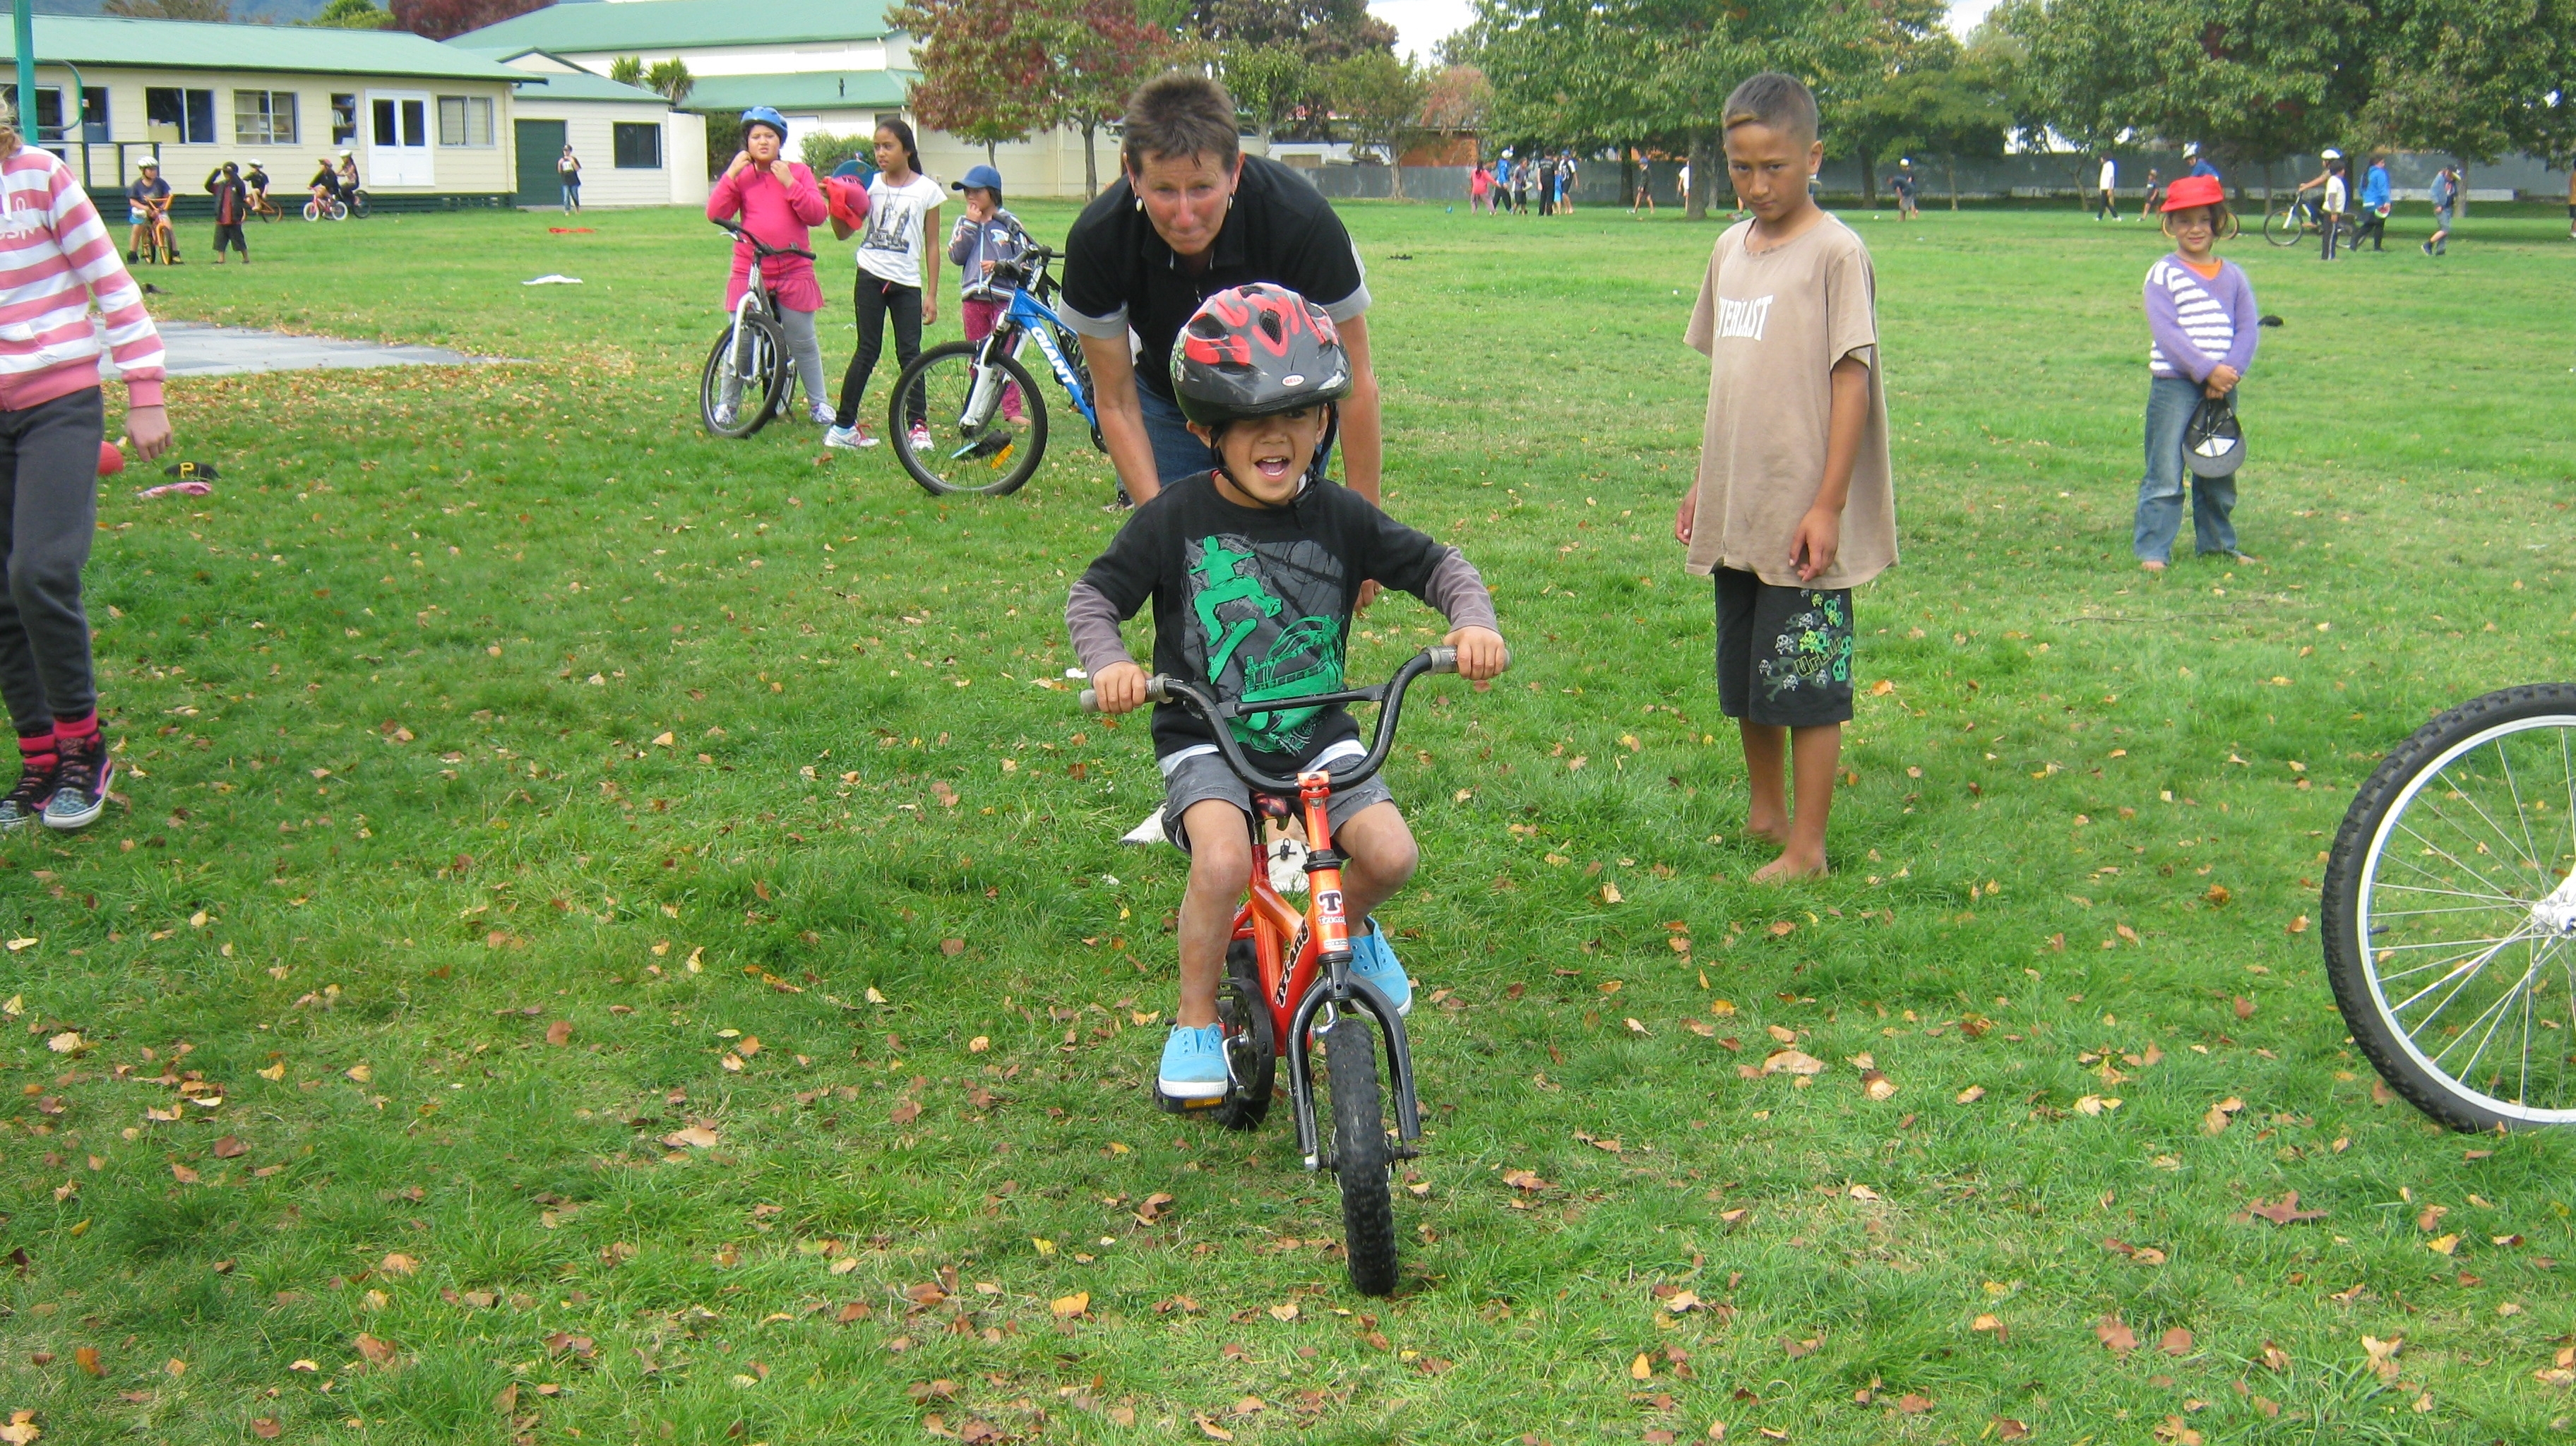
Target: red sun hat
<point>2190,191</point>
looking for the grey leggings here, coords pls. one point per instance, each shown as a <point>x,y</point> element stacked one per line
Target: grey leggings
<point>803,352</point>
<point>48,507</point>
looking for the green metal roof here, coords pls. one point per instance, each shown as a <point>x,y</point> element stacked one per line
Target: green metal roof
<point>633,25</point>
<point>110,41</point>
<point>808,90</point>
<point>553,85</point>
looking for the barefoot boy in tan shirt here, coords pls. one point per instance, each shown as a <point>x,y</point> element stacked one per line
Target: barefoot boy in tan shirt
<point>1792,506</point>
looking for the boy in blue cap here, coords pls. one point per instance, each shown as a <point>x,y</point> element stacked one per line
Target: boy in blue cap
<point>987,239</point>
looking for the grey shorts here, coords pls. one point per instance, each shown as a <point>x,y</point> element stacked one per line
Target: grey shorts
<point>1202,776</point>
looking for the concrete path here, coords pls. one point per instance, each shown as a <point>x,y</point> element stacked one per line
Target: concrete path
<point>209,351</point>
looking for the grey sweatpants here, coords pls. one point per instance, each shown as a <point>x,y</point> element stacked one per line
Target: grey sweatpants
<point>804,353</point>
<point>48,507</point>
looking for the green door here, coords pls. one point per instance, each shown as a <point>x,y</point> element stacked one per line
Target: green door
<point>541,143</point>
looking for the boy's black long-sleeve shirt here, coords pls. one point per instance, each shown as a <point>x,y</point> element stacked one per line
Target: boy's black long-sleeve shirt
<point>1257,603</point>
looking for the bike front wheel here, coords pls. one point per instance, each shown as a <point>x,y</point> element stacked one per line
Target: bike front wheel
<point>2450,913</point>
<point>751,366</point>
<point>982,427</point>
<point>2281,225</point>
<point>1363,1158</point>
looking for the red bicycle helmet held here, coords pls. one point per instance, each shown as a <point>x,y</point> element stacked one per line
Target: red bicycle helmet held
<point>1257,351</point>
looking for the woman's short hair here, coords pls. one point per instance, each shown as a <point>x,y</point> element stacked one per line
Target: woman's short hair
<point>1178,115</point>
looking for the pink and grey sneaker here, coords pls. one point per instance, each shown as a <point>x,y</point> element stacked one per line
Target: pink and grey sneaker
<point>82,774</point>
<point>26,802</point>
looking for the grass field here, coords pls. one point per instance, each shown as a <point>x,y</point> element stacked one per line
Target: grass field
<point>505,760</point>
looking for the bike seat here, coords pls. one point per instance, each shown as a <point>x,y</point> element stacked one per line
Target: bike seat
<point>1274,805</point>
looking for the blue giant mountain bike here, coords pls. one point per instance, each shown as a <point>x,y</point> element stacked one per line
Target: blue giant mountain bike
<point>967,417</point>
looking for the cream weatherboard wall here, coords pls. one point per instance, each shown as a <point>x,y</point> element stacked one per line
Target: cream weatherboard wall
<point>417,136</point>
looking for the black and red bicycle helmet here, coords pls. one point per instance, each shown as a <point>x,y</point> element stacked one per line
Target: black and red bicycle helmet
<point>1256,351</point>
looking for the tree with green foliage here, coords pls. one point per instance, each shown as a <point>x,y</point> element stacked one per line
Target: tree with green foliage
<point>351,15</point>
<point>2475,81</point>
<point>1269,82</point>
<point>1660,70</point>
<point>823,152</point>
<point>1944,99</point>
<point>2251,80</point>
<point>668,78</point>
<point>1377,102</point>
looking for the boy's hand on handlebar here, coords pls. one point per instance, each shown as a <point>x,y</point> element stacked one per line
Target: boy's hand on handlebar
<point>1481,654</point>
<point>1120,687</point>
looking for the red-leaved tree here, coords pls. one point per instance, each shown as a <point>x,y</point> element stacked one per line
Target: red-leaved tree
<point>445,19</point>
<point>982,78</point>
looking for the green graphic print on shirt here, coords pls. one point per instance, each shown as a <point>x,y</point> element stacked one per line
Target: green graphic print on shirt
<point>1266,622</point>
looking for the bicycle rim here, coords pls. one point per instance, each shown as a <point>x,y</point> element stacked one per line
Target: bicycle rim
<point>2465,918</point>
<point>2281,228</point>
<point>762,368</point>
<point>985,427</point>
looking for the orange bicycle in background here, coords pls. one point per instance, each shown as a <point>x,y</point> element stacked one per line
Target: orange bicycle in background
<point>1288,978</point>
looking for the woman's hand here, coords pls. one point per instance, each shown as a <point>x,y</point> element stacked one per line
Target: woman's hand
<point>148,428</point>
<point>2222,380</point>
<point>929,307</point>
<point>1481,655</point>
<point>1119,688</point>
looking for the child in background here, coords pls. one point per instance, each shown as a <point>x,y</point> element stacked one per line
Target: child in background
<point>987,239</point>
<point>2337,202</point>
<point>232,207</point>
<point>2375,202</point>
<point>1254,571</point>
<point>2155,193</point>
<point>1793,505</point>
<point>2203,325</point>
<point>2446,196</point>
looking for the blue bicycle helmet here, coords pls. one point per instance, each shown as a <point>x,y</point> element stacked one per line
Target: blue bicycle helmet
<point>763,115</point>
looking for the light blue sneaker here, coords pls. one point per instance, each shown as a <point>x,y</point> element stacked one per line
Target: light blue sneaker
<point>1193,1064</point>
<point>1373,959</point>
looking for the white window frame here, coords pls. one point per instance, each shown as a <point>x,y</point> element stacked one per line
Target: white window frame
<point>477,122</point>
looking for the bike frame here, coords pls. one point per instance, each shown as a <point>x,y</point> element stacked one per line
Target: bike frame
<point>1028,318</point>
<point>1304,958</point>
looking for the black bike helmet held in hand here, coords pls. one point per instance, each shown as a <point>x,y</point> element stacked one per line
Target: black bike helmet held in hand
<point>1257,351</point>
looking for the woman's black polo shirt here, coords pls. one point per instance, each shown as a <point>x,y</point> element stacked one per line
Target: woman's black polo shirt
<point>1119,274</point>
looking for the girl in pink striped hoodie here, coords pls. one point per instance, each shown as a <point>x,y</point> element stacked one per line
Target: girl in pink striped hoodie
<point>55,255</point>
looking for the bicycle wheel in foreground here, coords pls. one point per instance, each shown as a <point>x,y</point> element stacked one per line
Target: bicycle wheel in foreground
<point>1361,1156</point>
<point>942,390</point>
<point>761,364</point>
<point>2450,913</point>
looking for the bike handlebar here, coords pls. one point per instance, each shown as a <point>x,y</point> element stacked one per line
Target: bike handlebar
<point>1389,696</point>
<point>760,250</point>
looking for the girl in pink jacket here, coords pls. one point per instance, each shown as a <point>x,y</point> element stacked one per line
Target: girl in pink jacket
<point>55,258</point>
<point>777,200</point>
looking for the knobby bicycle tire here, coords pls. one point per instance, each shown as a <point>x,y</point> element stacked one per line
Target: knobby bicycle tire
<point>969,467</point>
<point>1252,1055</point>
<point>764,383</point>
<point>1361,1156</point>
<point>2511,879</point>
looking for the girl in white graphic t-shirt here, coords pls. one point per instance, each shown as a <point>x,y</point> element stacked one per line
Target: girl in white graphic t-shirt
<point>898,277</point>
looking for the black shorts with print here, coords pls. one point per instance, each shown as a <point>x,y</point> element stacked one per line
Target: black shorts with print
<point>1784,654</point>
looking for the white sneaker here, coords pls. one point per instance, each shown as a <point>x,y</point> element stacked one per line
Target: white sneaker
<point>920,438</point>
<point>818,413</point>
<point>722,416</point>
<point>849,437</point>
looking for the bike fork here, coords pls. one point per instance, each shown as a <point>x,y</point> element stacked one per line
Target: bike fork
<point>990,381</point>
<point>1336,989</point>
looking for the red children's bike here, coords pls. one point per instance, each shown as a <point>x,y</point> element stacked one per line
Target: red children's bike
<point>1288,977</point>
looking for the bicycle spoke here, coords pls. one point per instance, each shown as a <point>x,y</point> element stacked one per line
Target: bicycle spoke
<point>2521,815</point>
<point>2444,817</point>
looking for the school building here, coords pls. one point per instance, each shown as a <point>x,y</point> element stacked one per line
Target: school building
<point>430,126</point>
<point>832,66</point>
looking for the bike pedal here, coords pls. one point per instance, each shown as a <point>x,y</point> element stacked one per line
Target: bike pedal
<point>1171,1106</point>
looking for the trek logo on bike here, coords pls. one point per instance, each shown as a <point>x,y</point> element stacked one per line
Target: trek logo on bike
<point>1329,903</point>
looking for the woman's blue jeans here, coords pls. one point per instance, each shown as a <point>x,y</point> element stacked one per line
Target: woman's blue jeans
<point>2170,403</point>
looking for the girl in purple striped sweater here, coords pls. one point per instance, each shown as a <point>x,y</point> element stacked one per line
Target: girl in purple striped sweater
<point>2203,325</point>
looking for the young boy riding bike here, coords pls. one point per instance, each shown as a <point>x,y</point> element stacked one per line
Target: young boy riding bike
<point>1253,570</point>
